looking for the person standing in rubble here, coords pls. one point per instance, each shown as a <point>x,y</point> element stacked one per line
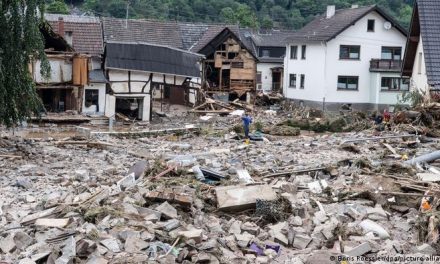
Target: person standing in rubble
<point>247,121</point>
<point>387,119</point>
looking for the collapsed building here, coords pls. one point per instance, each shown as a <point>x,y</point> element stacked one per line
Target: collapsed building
<point>137,72</point>
<point>63,89</point>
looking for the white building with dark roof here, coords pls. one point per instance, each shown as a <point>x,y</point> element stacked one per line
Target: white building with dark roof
<point>346,57</point>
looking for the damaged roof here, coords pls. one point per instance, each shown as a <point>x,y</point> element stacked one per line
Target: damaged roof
<point>325,29</point>
<point>140,56</point>
<point>425,23</point>
<point>181,35</point>
<point>86,32</point>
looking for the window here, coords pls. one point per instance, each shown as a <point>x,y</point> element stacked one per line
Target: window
<point>394,84</point>
<point>91,97</point>
<point>292,80</point>
<point>293,52</point>
<point>419,63</point>
<point>391,53</point>
<point>349,52</point>
<point>303,52</point>
<point>266,53</point>
<point>348,82</point>
<point>303,77</point>
<point>259,77</point>
<point>371,23</point>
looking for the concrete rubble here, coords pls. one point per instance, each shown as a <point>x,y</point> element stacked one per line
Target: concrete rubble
<point>205,196</point>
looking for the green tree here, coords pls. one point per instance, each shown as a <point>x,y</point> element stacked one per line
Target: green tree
<point>58,7</point>
<point>20,42</point>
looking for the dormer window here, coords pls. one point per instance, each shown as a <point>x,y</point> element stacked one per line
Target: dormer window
<point>371,24</point>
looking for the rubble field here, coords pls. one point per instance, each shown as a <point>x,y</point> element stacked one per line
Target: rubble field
<point>190,190</point>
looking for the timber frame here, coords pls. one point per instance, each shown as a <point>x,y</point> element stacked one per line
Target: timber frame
<point>229,67</point>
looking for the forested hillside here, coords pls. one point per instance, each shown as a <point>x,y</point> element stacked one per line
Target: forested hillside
<point>248,13</point>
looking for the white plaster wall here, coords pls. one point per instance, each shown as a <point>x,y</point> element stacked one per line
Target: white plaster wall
<point>110,105</point>
<point>61,71</point>
<point>313,67</point>
<point>101,97</point>
<point>266,74</point>
<point>378,96</point>
<point>371,47</point>
<point>119,81</point>
<point>419,79</point>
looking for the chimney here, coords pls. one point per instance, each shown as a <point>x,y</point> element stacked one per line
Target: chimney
<point>354,6</point>
<point>61,27</point>
<point>331,9</point>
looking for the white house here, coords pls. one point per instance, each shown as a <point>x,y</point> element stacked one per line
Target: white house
<point>422,56</point>
<point>346,57</point>
<point>135,69</point>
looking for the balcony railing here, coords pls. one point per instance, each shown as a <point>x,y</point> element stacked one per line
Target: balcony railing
<point>382,65</point>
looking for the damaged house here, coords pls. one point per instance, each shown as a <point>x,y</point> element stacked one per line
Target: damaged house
<point>135,70</point>
<point>84,35</point>
<point>422,58</point>
<point>229,67</point>
<point>64,89</point>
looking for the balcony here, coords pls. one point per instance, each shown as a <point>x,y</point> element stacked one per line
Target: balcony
<point>382,65</point>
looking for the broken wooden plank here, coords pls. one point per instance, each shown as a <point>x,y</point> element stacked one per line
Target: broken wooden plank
<point>376,138</point>
<point>32,217</point>
<point>284,173</point>
<point>241,197</point>
<point>10,156</point>
<point>52,222</point>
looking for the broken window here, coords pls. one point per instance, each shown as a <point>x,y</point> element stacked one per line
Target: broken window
<point>348,82</point>
<point>232,55</point>
<point>292,81</point>
<point>349,52</point>
<point>92,98</point>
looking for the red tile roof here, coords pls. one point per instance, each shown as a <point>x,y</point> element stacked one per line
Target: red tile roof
<point>86,32</point>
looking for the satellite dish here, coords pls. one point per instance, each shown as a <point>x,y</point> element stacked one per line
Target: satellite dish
<point>387,25</point>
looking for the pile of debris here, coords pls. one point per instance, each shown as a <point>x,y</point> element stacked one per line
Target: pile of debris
<point>206,198</point>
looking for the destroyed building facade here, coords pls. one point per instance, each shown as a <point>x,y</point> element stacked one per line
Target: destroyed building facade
<point>229,67</point>
<point>84,35</point>
<point>135,71</point>
<point>422,57</point>
<point>63,89</point>
<point>350,56</point>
